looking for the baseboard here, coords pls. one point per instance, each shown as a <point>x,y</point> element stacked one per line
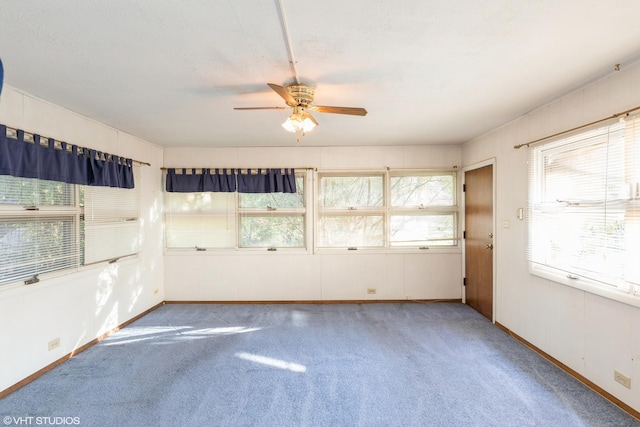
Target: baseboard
<point>602,392</point>
<point>76,351</point>
<point>357,301</point>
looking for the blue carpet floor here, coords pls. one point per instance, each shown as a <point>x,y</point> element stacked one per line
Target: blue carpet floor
<point>411,364</point>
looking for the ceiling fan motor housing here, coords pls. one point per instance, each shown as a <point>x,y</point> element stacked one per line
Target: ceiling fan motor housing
<point>302,94</point>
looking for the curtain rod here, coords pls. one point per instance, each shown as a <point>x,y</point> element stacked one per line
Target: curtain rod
<point>84,148</point>
<point>239,168</point>
<point>330,170</point>
<point>616,115</point>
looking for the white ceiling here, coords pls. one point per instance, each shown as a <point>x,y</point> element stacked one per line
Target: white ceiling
<point>428,72</point>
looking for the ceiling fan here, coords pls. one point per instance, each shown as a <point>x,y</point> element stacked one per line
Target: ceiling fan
<point>299,97</point>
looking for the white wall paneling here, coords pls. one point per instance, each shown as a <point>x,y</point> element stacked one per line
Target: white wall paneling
<point>588,333</point>
<point>277,277</point>
<point>79,307</point>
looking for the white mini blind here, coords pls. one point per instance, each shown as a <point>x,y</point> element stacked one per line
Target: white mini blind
<point>632,211</point>
<point>48,226</point>
<point>39,228</point>
<point>202,220</point>
<point>583,215</point>
<point>111,226</point>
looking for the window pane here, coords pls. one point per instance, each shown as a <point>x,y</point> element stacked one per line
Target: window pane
<point>34,192</point>
<point>207,203</point>
<point>275,200</point>
<point>200,219</point>
<point>351,191</point>
<point>580,241</point>
<point>423,190</point>
<point>423,230</point>
<point>29,247</point>
<point>582,174</point>
<point>108,241</point>
<point>272,231</point>
<point>106,204</point>
<point>351,231</point>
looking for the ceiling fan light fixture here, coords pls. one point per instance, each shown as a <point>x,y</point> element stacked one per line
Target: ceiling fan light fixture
<point>299,121</point>
<point>307,124</point>
<point>293,123</point>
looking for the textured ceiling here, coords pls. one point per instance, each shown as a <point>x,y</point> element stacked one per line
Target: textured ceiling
<point>428,72</point>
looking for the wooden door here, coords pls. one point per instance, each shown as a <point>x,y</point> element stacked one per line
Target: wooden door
<point>478,212</point>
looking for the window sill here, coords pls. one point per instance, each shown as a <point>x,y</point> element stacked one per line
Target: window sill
<point>53,278</point>
<point>584,284</point>
<point>231,251</point>
<point>430,250</point>
<point>318,251</point>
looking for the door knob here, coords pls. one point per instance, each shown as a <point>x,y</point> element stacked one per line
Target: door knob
<point>489,246</point>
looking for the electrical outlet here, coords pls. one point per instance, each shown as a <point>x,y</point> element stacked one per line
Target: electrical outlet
<point>54,343</point>
<point>155,291</point>
<point>622,379</point>
<point>371,291</point>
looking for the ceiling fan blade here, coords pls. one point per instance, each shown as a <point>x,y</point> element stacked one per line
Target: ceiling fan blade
<point>259,108</point>
<point>284,94</point>
<point>340,110</point>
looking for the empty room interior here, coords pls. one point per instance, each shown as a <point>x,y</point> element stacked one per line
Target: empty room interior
<point>422,169</point>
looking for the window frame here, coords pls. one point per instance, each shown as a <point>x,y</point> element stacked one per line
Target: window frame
<point>387,211</point>
<point>311,212</point>
<point>270,212</point>
<point>429,210</point>
<point>240,212</point>
<point>354,211</point>
<point>575,277</point>
<point>231,200</point>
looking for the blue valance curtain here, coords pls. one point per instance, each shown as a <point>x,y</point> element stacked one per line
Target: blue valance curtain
<point>269,181</point>
<point>45,159</point>
<point>220,181</point>
<point>230,180</point>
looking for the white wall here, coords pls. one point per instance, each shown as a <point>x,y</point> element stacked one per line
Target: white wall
<point>78,307</point>
<point>590,334</point>
<point>209,276</point>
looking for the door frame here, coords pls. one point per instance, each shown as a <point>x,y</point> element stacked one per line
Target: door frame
<point>488,162</point>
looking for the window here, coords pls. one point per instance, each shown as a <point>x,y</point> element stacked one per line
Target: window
<point>423,210</point>
<point>273,220</point>
<point>200,220</point>
<point>110,222</point>
<point>352,211</point>
<point>584,220</point>
<point>38,227</point>
<point>47,226</point>
<point>232,220</point>
<point>397,209</point>
<point>378,210</point>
